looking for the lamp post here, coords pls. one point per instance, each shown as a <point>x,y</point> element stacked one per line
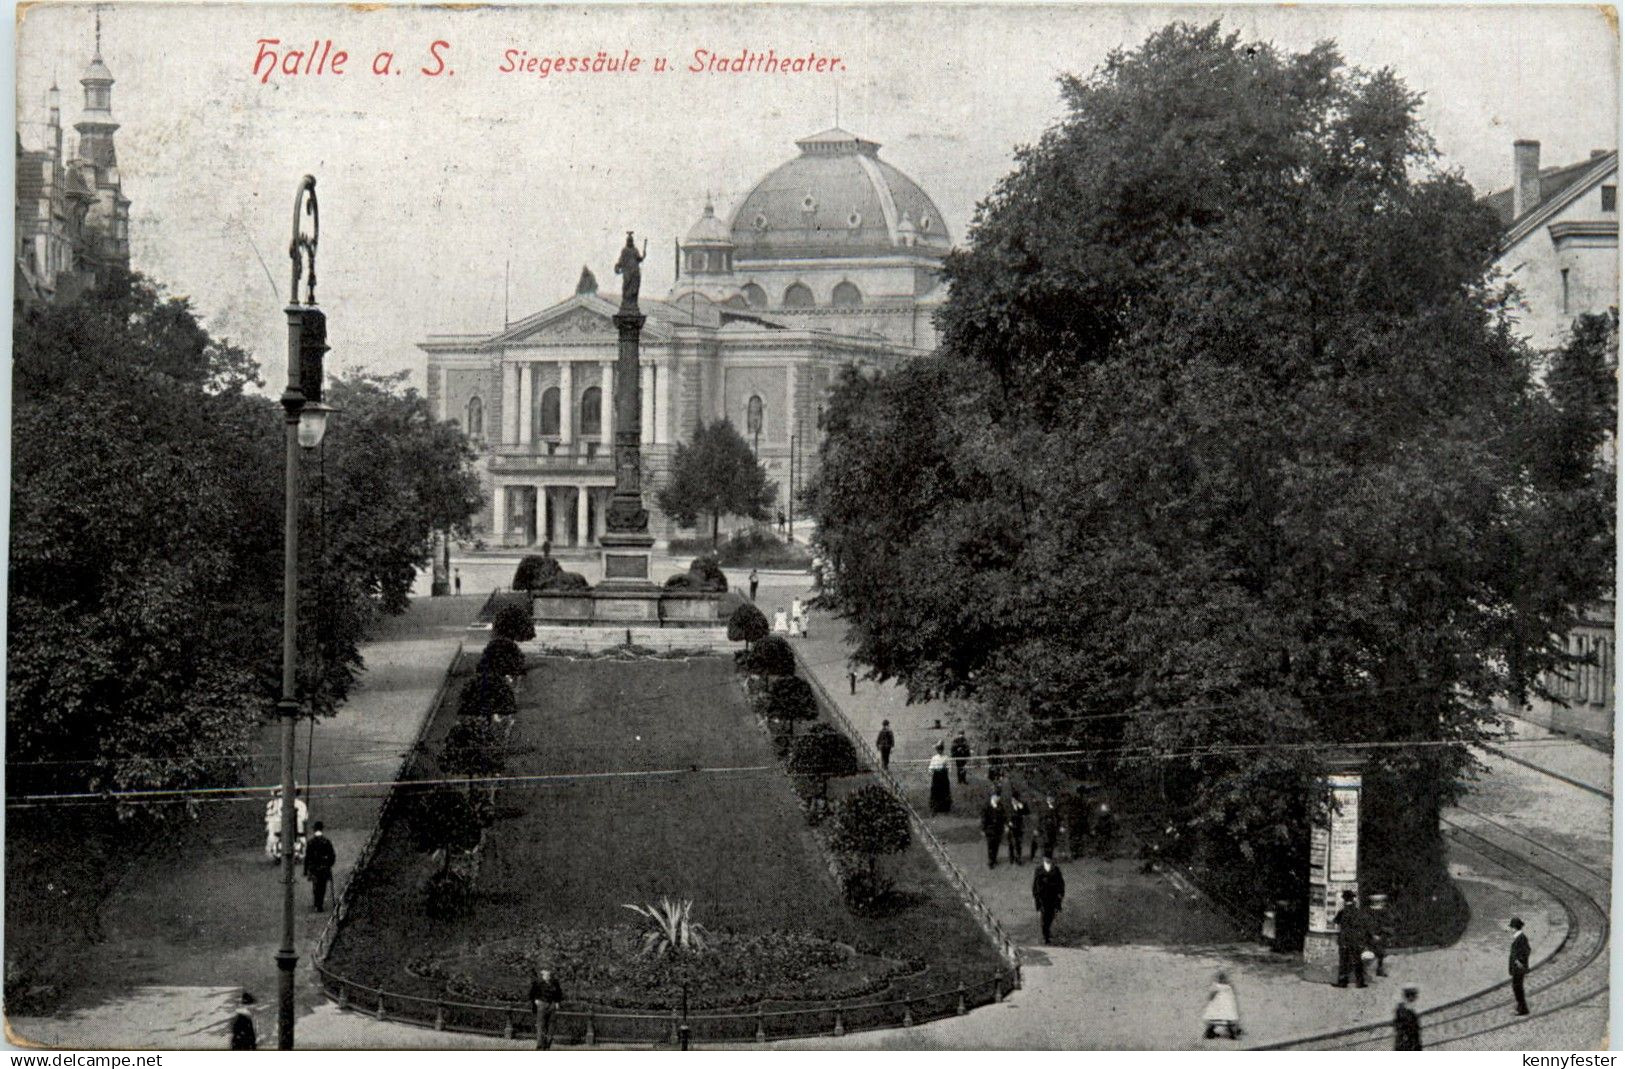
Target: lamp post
<point>305,419</point>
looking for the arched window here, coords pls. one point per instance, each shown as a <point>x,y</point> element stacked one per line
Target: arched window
<point>755,295</point>
<point>476,418</point>
<point>547,414</point>
<point>753,416</point>
<point>591,411</point>
<point>798,296</point>
<point>846,295</point>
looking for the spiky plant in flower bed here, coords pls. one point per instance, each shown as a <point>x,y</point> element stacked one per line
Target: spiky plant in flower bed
<point>672,928</point>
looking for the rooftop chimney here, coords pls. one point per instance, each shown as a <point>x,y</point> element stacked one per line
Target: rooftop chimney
<point>1525,177</point>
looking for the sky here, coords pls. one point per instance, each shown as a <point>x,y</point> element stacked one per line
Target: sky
<point>447,198</point>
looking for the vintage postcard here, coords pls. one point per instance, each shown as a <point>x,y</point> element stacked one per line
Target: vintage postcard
<point>834,527</point>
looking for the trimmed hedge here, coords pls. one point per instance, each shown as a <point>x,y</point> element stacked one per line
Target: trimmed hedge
<point>566,583</point>
<point>769,657</point>
<point>502,657</point>
<point>486,695</point>
<point>514,622</point>
<point>534,572</point>
<point>747,624</point>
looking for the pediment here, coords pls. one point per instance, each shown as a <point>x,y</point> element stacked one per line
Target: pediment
<point>575,323</point>
<point>584,318</point>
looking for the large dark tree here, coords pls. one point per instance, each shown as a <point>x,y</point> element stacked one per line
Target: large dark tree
<point>145,572</point>
<point>1228,458</point>
<point>716,474</point>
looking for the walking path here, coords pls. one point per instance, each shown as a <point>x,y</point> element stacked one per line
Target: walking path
<point>183,942</point>
<point>1139,953</point>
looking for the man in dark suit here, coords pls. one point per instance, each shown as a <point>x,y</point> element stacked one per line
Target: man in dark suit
<point>1407,1025</point>
<point>994,820</point>
<point>545,996</point>
<point>1049,887</point>
<point>1351,940</point>
<point>959,750</point>
<point>319,860</point>
<point>242,1026</point>
<point>1518,964</point>
<point>1018,825</point>
<point>884,743</point>
<point>1049,827</point>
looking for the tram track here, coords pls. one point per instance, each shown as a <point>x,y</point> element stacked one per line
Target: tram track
<point>1574,974</point>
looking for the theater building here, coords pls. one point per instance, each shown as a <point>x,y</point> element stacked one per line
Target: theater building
<point>832,259</point>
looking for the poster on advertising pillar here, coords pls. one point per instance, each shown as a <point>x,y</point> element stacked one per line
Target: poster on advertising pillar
<point>1334,843</point>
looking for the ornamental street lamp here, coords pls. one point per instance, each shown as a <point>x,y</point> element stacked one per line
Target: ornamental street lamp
<point>305,418</point>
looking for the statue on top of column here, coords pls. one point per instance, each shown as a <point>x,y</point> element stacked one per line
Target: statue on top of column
<point>630,271</point>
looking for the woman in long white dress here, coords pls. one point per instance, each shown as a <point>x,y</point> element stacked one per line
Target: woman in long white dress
<point>781,622</point>
<point>1221,1010</point>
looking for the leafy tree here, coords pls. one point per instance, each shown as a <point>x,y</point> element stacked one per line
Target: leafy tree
<point>771,656</point>
<point>822,753</point>
<point>1228,454</point>
<point>443,821</point>
<point>502,657</point>
<point>474,749</point>
<point>747,624</point>
<point>871,822</point>
<point>514,622</point>
<point>534,571</point>
<point>486,695</point>
<point>716,473</point>
<point>787,698</point>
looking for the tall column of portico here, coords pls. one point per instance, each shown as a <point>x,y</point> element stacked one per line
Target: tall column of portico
<point>606,404</point>
<point>646,390</point>
<point>581,516</point>
<point>541,514</point>
<point>510,402</point>
<point>445,404</point>
<point>663,380</point>
<point>567,404</point>
<point>527,376</point>
<point>499,513</point>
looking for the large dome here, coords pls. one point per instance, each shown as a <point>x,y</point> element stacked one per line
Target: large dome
<point>838,198</point>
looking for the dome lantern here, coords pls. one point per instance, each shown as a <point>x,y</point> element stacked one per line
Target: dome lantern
<point>708,249</point>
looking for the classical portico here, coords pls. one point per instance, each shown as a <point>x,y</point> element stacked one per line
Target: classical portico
<point>831,260</point>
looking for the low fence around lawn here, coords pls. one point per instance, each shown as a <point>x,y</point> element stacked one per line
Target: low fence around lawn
<point>967,894</point>
<point>587,1024</point>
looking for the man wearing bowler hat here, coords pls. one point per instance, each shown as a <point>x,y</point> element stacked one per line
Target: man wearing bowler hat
<point>1351,940</point>
<point>1407,1025</point>
<point>1518,964</point>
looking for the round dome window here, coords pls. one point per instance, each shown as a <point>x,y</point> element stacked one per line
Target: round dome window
<point>760,222</point>
<point>925,223</point>
<point>808,204</point>
<point>854,220</point>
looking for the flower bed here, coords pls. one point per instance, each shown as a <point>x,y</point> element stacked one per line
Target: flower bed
<point>607,969</point>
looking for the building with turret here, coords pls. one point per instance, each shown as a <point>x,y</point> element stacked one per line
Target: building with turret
<point>831,260</point>
<point>72,218</point>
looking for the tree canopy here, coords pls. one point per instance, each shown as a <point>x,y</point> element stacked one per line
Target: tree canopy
<point>716,474</point>
<point>145,567</point>
<point>1229,454</point>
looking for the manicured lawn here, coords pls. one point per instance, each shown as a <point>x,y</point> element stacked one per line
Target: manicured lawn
<point>565,855</point>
